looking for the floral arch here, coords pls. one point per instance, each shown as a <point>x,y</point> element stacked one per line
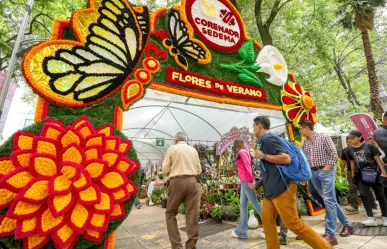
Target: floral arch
<point>70,179</point>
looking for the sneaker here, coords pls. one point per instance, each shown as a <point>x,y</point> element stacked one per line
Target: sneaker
<point>283,239</point>
<point>201,221</point>
<point>352,210</point>
<point>375,210</point>
<point>234,235</point>
<point>384,219</point>
<point>139,206</point>
<point>370,222</point>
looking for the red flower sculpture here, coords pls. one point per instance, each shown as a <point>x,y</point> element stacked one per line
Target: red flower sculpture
<point>65,182</point>
<point>298,104</point>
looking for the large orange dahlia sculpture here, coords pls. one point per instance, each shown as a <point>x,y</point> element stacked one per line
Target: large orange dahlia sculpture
<point>65,182</point>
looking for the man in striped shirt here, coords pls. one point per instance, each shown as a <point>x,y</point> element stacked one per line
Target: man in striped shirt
<point>322,157</point>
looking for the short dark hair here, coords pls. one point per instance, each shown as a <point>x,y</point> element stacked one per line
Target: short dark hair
<point>385,115</point>
<point>264,121</point>
<point>307,124</point>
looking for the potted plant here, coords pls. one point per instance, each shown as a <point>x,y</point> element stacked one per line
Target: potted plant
<point>232,213</point>
<point>164,198</point>
<point>226,185</point>
<point>235,182</point>
<point>226,213</point>
<point>342,189</point>
<point>217,213</point>
<point>156,196</point>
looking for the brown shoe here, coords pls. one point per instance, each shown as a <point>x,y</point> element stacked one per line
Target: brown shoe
<point>347,231</point>
<point>331,240</point>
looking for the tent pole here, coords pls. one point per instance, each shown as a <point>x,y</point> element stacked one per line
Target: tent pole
<point>12,61</point>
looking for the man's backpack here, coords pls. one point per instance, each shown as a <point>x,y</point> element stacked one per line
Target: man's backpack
<point>298,170</point>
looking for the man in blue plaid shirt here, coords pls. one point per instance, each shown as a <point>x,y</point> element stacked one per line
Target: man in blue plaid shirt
<point>322,157</point>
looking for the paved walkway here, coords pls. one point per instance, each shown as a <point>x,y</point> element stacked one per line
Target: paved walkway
<point>145,228</point>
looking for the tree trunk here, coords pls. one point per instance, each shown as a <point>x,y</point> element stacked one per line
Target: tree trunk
<point>376,103</point>
<point>264,32</point>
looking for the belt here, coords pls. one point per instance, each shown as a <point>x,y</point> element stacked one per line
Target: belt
<point>182,176</point>
<point>317,168</point>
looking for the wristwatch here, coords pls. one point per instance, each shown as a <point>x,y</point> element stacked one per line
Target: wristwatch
<point>264,157</point>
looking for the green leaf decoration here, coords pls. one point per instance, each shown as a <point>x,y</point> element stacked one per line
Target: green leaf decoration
<point>249,78</point>
<point>254,68</point>
<point>246,52</point>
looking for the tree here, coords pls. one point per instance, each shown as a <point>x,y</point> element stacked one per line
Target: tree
<point>360,14</point>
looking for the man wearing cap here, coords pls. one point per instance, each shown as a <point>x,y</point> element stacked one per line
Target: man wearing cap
<point>181,165</point>
<point>322,157</point>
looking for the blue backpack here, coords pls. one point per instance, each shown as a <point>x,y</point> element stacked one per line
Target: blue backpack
<point>298,170</point>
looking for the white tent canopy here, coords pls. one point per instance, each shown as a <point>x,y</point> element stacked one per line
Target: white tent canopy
<point>162,115</point>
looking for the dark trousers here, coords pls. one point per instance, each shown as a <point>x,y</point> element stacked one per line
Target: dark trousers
<point>184,190</point>
<point>353,192</point>
<point>366,196</point>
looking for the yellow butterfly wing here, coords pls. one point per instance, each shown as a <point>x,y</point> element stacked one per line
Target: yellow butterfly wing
<point>79,74</point>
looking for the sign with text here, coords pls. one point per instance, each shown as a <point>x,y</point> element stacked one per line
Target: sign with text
<point>364,123</point>
<point>217,23</point>
<point>209,85</point>
<point>227,140</point>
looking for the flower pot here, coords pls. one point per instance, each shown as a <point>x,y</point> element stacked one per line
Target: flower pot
<point>226,217</point>
<point>142,196</point>
<point>226,186</point>
<point>164,203</point>
<point>221,187</point>
<point>218,219</point>
<point>235,186</point>
<point>216,187</point>
<point>233,218</point>
<point>147,202</point>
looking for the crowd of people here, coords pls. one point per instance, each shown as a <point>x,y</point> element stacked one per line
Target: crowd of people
<point>365,171</point>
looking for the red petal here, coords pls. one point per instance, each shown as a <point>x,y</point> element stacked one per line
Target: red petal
<point>21,233</point>
<point>118,212</point>
<point>299,89</point>
<point>69,242</point>
<point>28,137</point>
<point>313,110</point>
<point>80,121</point>
<point>125,146</point>
<point>93,236</point>
<point>38,187</point>
<point>90,196</point>
<point>292,113</point>
<point>59,185</point>
<point>112,143</point>
<point>108,130</point>
<point>290,90</point>
<point>47,223</point>
<point>79,219</point>
<point>20,158</point>
<point>287,100</point>
<point>35,241</point>
<point>61,204</point>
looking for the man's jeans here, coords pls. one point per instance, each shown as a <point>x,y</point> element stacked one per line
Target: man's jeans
<point>247,195</point>
<point>324,182</point>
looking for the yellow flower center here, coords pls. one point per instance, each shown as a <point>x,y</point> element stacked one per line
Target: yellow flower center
<point>143,75</point>
<point>277,66</point>
<point>307,102</point>
<point>151,63</point>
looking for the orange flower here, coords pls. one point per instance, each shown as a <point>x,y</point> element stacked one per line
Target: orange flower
<point>65,182</point>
